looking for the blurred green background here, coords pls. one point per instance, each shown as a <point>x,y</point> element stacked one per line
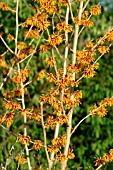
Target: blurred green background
<point>94,137</point>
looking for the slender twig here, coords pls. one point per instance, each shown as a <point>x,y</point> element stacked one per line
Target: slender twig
<point>34,51</point>
<point>58,53</point>
<point>99,167</point>
<point>85,5</point>
<point>44,132</point>
<point>5,79</point>
<point>99,42</point>
<point>80,123</point>
<point>70,10</point>
<point>9,49</point>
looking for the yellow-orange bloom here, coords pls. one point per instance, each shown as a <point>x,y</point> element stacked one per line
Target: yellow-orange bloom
<point>37,145</point>
<point>10,37</point>
<point>103,49</point>
<point>96,10</point>
<point>24,139</point>
<point>21,160</point>
<point>55,39</point>
<point>4,6</point>
<point>50,61</point>
<point>89,44</point>
<point>109,36</point>
<point>61,157</point>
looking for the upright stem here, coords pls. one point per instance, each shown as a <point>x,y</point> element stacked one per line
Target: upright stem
<point>22,86</point>
<point>62,93</point>
<point>44,132</point>
<point>69,123</point>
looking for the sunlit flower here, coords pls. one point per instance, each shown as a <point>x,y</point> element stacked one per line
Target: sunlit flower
<point>103,49</point>
<point>21,160</point>
<point>37,145</point>
<point>96,10</point>
<point>24,139</point>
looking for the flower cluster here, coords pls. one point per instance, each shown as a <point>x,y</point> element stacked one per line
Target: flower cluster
<point>24,139</point>
<point>64,27</point>
<point>103,49</point>
<point>39,20</point>
<point>109,36</point>
<point>21,77</point>
<point>12,105</point>
<point>21,160</point>
<point>55,39</point>
<point>2,61</point>
<point>61,157</point>
<point>50,61</point>
<point>57,143</point>
<point>85,57</point>
<point>33,33</point>
<point>96,10</point>
<point>89,71</point>
<point>70,103</point>
<point>105,159</point>
<point>31,115</point>
<point>37,144</point>
<point>4,6</point>
<point>49,6</point>
<point>101,110</point>
<point>9,119</point>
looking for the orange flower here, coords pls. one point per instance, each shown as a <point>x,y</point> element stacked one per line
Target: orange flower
<point>109,101</point>
<point>53,148</point>
<point>64,27</point>
<point>100,40</point>
<point>62,3</point>
<point>85,14</point>
<point>50,61</point>
<point>61,141</point>
<point>24,139</point>
<point>71,155</point>
<point>40,75</point>
<point>96,10</point>
<point>8,95</point>
<point>77,21</point>
<point>111,152</point>
<point>31,34</point>
<point>89,44</point>
<point>102,111</point>
<point>36,116</point>
<point>89,71</point>
<point>99,161</point>
<point>55,39</point>
<point>21,160</point>
<point>37,145</point>
<point>87,23</point>
<point>61,157</point>
<point>45,48</point>
<point>103,49</point>
<point>12,105</point>
<point>10,37</point>
<point>61,119</point>
<point>2,61</point>
<point>109,36</point>
<point>4,6</point>
<point>108,158</point>
<point>21,45</point>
